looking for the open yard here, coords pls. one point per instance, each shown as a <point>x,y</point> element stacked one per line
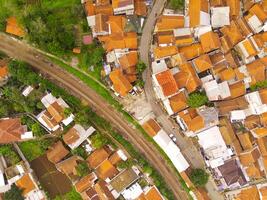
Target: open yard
<point>53,181</point>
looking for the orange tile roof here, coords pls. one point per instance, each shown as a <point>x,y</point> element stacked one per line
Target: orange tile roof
<point>237,89</point>
<point>26,184</point>
<point>71,136</point>
<point>153,194</point>
<point>192,119</point>
<point>114,158</point>
<point>256,70</point>
<point>245,140</point>
<point>49,120</point>
<point>227,131</point>
<point>178,102</point>
<point>56,152</point>
<point>262,143</point>
<point>140,8</point>
<point>106,170</point>
<point>210,41</point>
<point>249,157</point>
<point>253,171</point>
<point>243,26</point>
<point>161,52</point>
<point>151,127</point>
<point>3,71</point>
<point>226,45</point>
<point>167,83</point>
<point>121,3</point>
<point>263,119</point>
<point>263,95</point>
<point>257,10</point>
<point>117,23</point>
<point>89,8</point>
<point>166,37</point>
<point>191,51</point>
<point>11,130</point>
<point>260,132</point>
<point>248,45</point>
<point>13,27</point>
<point>119,41</point>
<point>120,82</point>
<point>128,60</point>
<point>202,63</point>
<point>195,6</point>
<point>263,190</point>
<point>104,9</point>
<point>187,77</point>
<point>264,5</point>
<point>76,50</point>
<point>232,33</point>
<point>85,183</point>
<point>97,157</point>
<point>234,7</point>
<point>184,41</point>
<point>227,74</point>
<point>167,22</point>
<point>56,111</point>
<point>249,193</point>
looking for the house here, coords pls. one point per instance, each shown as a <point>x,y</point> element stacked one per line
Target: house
<point>128,64</point>
<point>124,180</point>
<point>119,41</point>
<point>198,13</point>
<point>106,170</point>
<point>85,183</point>
<point>13,27</point>
<point>215,91</point>
<point>220,16</point>
<point>215,150</point>
<point>56,152</point>
<point>29,187</point>
<point>165,51</point>
<point>151,193</point>
<point>140,8</point>
<point>202,63</point>
<point>54,114</point>
<point>103,191</point>
<point>247,50</point>
<point>68,167</point>
<point>11,130</point>
<point>77,135</point>
<point>169,22</point>
<point>191,51</point>
<point>3,71</point>
<point>210,41</point>
<point>123,7</point>
<point>121,84</point>
<point>166,144</point>
<point>98,156</point>
<point>231,175</point>
<point>235,8</point>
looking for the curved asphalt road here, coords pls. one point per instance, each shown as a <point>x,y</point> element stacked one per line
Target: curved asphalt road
<point>187,147</point>
<point>22,51</point>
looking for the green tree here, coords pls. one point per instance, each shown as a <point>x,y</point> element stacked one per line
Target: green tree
<point>177,4</point>
<point>98,140</point>
<point>14,193</point>
<point>80,151</point>
<point>67,111</point>
<point>199,177</point>
<point>140,67</point>
<point>197,99</point>
<point>8,152</point>
<point>126,164</point>
<point>37,130</point>
<point>82,169</point>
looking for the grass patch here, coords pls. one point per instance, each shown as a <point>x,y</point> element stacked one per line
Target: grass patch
<point>34,148</point>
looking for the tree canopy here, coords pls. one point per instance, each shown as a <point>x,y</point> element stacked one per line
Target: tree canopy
<point>197,99</point>
<point>14,193</point>
<point>177,4</point>
<point>199,177</point>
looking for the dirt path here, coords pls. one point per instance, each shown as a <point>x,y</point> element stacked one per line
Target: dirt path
<point>22,51</point>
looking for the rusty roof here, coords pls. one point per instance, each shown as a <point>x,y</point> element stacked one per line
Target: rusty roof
<point>210,41</point>
<point>168,22</point>
<point>98,156</point>
<point>56,152</point>
<point>178,102</point>
<point>151,127</point>
<point>202,63</point>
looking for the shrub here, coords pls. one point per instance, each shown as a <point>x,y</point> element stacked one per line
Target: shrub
<point>14,193</point>
<point>177,4</point>
<point>199,177</point>
<point>197,99</point>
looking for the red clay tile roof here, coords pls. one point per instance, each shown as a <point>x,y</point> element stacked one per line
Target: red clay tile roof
<point>97,157</point>
<point>14,28</point>
<point>167,83</point>
<point>11,130</point>
<point>56,152</point>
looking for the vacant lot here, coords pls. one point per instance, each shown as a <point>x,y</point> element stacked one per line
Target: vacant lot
<point>53,181</point>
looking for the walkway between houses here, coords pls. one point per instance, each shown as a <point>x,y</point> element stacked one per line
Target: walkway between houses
<point>187,147</point>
